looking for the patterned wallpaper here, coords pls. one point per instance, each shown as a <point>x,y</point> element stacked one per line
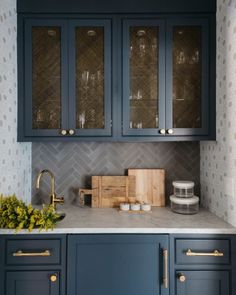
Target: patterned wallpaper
<point>74,163</point>
<point>15,158</point>
<point>218,159</point>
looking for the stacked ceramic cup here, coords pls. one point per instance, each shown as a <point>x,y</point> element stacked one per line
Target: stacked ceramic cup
<point>183,200</point>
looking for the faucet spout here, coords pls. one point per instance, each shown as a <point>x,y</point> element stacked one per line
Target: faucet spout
<point>53,198</point>
<point>52,180</point>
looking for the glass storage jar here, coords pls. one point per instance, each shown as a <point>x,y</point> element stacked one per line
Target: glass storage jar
<point>183,189</point>
<point>185,205</point>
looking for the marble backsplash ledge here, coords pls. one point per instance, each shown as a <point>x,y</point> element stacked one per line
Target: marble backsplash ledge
<point>73,164</point>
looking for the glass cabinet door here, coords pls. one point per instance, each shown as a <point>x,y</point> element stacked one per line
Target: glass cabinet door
<point>90,78</point>
<point>143,77</point>
<point>46,83</point>
<point>187,77</point>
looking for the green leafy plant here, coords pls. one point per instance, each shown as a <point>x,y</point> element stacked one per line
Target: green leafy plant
<point>15,214</point>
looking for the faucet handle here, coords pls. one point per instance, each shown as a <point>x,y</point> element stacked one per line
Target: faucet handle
<point>59,200</point>
<point>56,200</point>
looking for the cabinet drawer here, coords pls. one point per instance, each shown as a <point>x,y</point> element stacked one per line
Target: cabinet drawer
<point>202,251</point>
<point>33,251</point>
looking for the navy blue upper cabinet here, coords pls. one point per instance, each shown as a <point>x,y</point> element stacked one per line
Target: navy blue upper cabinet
<point>66,86</point>
<point>103,70</point>
<point>166,70</point>
<point>122,6</point>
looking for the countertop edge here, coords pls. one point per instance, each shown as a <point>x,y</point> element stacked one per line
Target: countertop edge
<point>124,231</point>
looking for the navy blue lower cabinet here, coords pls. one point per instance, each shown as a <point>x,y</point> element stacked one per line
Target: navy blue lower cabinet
<point>32,282</point>
<point>117,265</point>
<point>33,264</point>
<point>1,265</point>
<point>202,282</point>
<point>202,264</point>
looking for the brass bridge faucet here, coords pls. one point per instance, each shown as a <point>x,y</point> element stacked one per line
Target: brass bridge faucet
<point>53,198</point>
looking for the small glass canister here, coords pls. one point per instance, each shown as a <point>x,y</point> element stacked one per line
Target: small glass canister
<point>184,205</point>
<point>183,189</point>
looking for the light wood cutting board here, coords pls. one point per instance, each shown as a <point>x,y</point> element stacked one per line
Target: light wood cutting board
<point>110,191</point>
<point>150,186</point>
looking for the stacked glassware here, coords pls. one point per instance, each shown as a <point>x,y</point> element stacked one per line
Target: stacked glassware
<point>183,200</point>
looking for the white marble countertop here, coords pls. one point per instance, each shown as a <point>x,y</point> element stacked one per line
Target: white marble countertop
<point>160,220</point>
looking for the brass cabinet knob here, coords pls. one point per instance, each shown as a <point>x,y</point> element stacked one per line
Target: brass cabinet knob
<point>71,131</point>
<point>170,131</point>
<point>53,278</point>
<point>162,131</point>
<point>63,132</point>
<point>181,277</point>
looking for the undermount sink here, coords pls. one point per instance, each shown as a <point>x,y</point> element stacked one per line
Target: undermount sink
<point>62,215</point>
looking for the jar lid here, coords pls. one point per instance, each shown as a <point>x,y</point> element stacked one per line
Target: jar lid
<point>183,184</point>
<point>184,201</point>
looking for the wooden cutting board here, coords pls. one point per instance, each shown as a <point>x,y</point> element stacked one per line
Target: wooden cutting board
<point>110,191</point>
<point>150,186</point>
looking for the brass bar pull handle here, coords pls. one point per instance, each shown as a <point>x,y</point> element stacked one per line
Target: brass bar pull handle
<point>20,253</point>
<point>166,272</point>
<point>215,253</point>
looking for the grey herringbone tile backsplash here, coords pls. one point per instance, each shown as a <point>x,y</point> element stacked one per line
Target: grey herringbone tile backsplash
<point>74,163</point>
